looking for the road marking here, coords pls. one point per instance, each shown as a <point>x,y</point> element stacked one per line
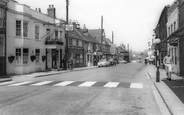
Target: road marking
<point>87,84</point>
<point>6,83</point>
<point>22,83</point>
<point>41,83</point>
<point>111,84</point>
<point>64,83</point>
<point>136,85</point>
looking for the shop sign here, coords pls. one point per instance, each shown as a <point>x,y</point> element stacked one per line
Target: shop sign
<point>69,27</point>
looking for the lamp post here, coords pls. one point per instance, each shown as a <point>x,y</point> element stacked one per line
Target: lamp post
<point>157,42</point>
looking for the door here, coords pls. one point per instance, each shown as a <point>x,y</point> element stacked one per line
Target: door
<point>54,60</point>
<point>61,58</point>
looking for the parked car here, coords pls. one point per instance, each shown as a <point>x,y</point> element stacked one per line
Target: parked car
<point>103,63</point>
<point>112,62</point>
<point>123,61</point>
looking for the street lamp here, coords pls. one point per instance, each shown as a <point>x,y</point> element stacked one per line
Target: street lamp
<point>157,42</point>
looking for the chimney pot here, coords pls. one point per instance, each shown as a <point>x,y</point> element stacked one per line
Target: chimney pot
<point>49,6</point>
<point>52,6</point>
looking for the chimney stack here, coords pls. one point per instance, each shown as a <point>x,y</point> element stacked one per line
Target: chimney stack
<point>51,11</point>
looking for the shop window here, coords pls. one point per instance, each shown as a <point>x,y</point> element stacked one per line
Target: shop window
<point>37,32</point>
<point>77,58</point>
<point>81,58</point>
<point>18,55</point>
<point>37,53</point>
<point>25,55</point>
<point>175,56</point>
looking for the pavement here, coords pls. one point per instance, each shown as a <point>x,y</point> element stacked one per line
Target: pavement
<point>172,92</point>
<point>41,74</point>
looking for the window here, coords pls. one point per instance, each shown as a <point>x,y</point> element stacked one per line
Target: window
<point>174,26</point>
<point>48,34</point>
<point>37,51</point>
<point>18,28</point>
<point>56,35</point>
<point>169,31</point>
<point>61,34</point>
<point>1,17</point>
<point>175,56</point>
<point>70,41</point>
<point>25,55</point>
<point>18,55</point>
<point>77,42</point>
<point>25,29</point>
<point>171,28</point>
<point>37,32</point>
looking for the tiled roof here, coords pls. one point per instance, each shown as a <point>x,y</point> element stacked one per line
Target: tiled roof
<point>121,50</point>
<point>96,33</point>
<point>75,34</point>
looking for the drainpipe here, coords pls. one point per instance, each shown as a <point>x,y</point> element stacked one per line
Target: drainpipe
<point>5,38</point>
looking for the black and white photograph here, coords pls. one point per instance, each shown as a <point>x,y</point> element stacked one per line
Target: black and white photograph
<point>91,57</point>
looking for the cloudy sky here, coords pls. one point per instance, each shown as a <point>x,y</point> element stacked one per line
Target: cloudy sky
<point>132,21</point>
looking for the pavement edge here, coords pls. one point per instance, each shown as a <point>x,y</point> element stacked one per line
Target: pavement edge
<point>164,108</point>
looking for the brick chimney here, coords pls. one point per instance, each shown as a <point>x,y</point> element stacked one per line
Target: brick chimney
<point>51,11</point>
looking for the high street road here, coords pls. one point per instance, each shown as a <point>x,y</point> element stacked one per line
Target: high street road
<point>123,89</point>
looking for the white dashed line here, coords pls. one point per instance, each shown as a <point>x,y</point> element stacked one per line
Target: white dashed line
<point>22,83</point>
<point>64,83</point>
<point>111,84</point>
<point>87,84</point>
<point>41,83</point>
<point>136,85</point>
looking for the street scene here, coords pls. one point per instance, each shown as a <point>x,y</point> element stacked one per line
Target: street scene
<point>76,57</point>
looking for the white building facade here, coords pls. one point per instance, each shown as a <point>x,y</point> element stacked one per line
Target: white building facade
<point>173,46</point>
<point>33,39</point>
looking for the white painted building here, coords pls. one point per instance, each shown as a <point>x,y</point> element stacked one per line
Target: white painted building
<point>33,39</point>
<point>172,26</point>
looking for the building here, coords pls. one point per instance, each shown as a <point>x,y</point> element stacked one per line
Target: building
<point>99,35</point>
<point>112,48</point>
<point>76,47</point>
<point>3,37</point>
<point>122,54</point>
<point>35,41</point>
<point>173,44</point>
<point>91,47</point>
<point>161,32</point>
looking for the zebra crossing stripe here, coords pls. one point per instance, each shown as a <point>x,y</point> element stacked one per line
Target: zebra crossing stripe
<point>41,83</point>
<point>111,84</point>
<point>87,84</point>
<point>64,83</point>
<point>136,85</point>
<point>22,83</point>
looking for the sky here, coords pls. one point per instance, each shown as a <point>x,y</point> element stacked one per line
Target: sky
<point>132,21</point>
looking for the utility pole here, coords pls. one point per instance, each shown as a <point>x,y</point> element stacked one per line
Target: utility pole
<point>112,37</point>
<point>101,29</point>
<point>101,33</point>
<point>66,48</point>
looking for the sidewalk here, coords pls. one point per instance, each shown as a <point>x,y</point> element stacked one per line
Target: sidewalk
<point>165,88</point>
<point>41,74</point>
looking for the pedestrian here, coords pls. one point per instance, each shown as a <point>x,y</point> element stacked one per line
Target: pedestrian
<point>71,63</point>
<point>145,61</point>
<point>168,65</point>
<point>64,63</point>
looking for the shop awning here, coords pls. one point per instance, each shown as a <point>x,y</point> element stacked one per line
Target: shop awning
<point>177,34</point>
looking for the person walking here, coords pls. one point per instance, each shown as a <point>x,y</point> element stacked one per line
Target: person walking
<point>168,65</point>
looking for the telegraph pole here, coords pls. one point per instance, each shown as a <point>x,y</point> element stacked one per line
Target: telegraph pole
<point>66,48</point>
<point>101,29</point>
<point>112,37</point>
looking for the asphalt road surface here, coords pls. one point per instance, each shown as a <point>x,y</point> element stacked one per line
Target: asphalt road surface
<point>119,90</point>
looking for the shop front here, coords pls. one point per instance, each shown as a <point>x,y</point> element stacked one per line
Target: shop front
<point>77,54</point>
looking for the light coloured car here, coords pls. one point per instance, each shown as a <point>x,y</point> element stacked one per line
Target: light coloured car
<point>103,63</point>
<point>123,61</point>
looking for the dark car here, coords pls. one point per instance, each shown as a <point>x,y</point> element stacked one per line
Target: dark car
<point>112,62</point>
